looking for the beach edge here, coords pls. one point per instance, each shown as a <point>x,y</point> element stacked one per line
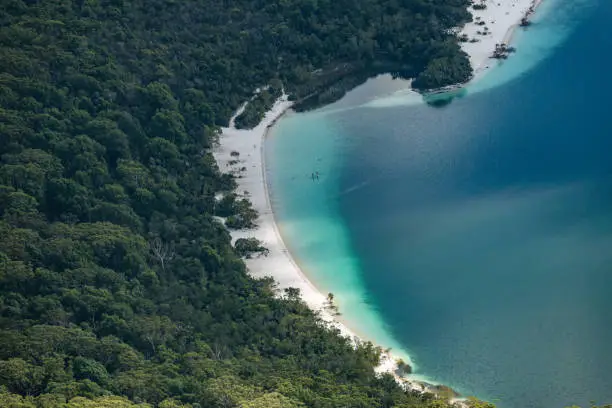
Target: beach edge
<point>280,264</point>
<point>502,18</point>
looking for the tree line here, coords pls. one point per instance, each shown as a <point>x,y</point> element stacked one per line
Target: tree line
<point>118,285</point>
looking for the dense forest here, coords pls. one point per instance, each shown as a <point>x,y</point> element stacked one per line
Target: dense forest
<point>118,286</point>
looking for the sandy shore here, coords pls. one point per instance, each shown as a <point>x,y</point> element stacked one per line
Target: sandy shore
<point>501,18</point>
<point>279,264</point>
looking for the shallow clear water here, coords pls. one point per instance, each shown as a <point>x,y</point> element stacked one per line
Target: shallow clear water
<point>307,213</point>
<point>476,237</point>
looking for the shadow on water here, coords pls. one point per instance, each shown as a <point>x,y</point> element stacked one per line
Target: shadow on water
<point>443,99</point>
<point>552,24</point>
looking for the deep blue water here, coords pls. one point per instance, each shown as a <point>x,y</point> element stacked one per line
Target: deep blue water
<point>479,234</point>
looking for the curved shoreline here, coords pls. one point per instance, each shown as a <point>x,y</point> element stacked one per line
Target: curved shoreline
<point>249,166</point>
<point>318,300</point>
<point>280,263</point>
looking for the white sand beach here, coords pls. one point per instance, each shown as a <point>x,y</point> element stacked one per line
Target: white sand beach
<point>501,18</point>
<point>279,263</point>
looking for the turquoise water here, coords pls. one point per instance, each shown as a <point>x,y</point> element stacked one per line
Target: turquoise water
<point>307,213</point>
<point>477,238</point>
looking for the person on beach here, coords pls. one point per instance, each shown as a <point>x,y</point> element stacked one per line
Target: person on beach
<point>313,176</point>
<point>317,174</point>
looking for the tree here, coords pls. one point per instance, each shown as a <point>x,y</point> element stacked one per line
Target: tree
<point>271,400</point>
<point>162,251</point>
<point>248,246</point>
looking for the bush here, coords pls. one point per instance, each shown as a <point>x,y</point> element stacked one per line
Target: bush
<point>246,247</point>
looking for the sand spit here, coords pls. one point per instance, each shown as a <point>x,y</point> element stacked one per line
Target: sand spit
<point>491,26</point>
